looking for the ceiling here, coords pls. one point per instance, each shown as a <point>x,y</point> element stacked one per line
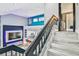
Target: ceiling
<point>22,9</point>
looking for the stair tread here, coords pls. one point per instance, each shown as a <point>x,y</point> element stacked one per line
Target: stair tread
<point>60,52</point>
<point>68,47</point>
<point>65,32</point>
<point>64,44</point>
<point>66,40</point>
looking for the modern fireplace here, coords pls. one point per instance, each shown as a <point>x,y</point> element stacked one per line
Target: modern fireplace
<point>13,35</point>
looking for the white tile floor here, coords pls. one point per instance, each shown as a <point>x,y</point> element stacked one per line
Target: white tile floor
<point>25,46</point>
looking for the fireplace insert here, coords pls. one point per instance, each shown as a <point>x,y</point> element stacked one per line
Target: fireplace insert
<point>13,35</point>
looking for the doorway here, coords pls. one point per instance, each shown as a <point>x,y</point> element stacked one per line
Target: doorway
<point>67,17</point>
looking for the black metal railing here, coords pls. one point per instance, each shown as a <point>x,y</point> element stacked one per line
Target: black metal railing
<point>12,51</point>
<point>37,46</point>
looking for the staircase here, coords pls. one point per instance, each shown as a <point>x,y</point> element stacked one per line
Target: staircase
<point>64,44</point>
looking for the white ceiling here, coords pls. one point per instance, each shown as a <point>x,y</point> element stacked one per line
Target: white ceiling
<point>22,9</point>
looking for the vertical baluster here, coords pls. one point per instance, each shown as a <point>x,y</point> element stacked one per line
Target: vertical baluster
<point>36,52</point>
<point>15,53</point>
<point>44,38</point>
<point>46,31</point>
<point>19,54</point>
<point>39,47</point>
<point>22,54</point>
<point>6,54</point>
<point>41,44</point>
<point>11,53</point>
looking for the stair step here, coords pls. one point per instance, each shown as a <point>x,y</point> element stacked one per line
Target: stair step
<point>65,32</point>
<point>66,36</point>
<point>66,40</point>
<point>64,44</point>
<point>59,52</point>
<point>67,47</point>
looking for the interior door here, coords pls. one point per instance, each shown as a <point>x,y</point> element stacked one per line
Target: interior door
<point>69,21</point>
<point>69,10</point>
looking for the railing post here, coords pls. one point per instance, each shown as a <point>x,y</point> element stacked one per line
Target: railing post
<point>6,54</point>
<point>11,53</point>
<point>22,54</point>
<point>39,48</point>
<point>15,53</point>
<point>19,54</point>
<point>36,52</point>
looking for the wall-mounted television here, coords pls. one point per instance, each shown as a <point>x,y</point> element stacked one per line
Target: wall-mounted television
<point>36,20</point>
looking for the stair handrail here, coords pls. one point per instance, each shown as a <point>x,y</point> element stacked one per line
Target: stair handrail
<point>44,33</point>
<point>32,49</point>
<point>12,48</point>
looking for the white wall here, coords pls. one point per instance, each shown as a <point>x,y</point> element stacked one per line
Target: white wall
<point>77,18</point>
<point>35,12</point>
<point>50,9</point>
<point>0,30</point>
<point>11,19</point>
